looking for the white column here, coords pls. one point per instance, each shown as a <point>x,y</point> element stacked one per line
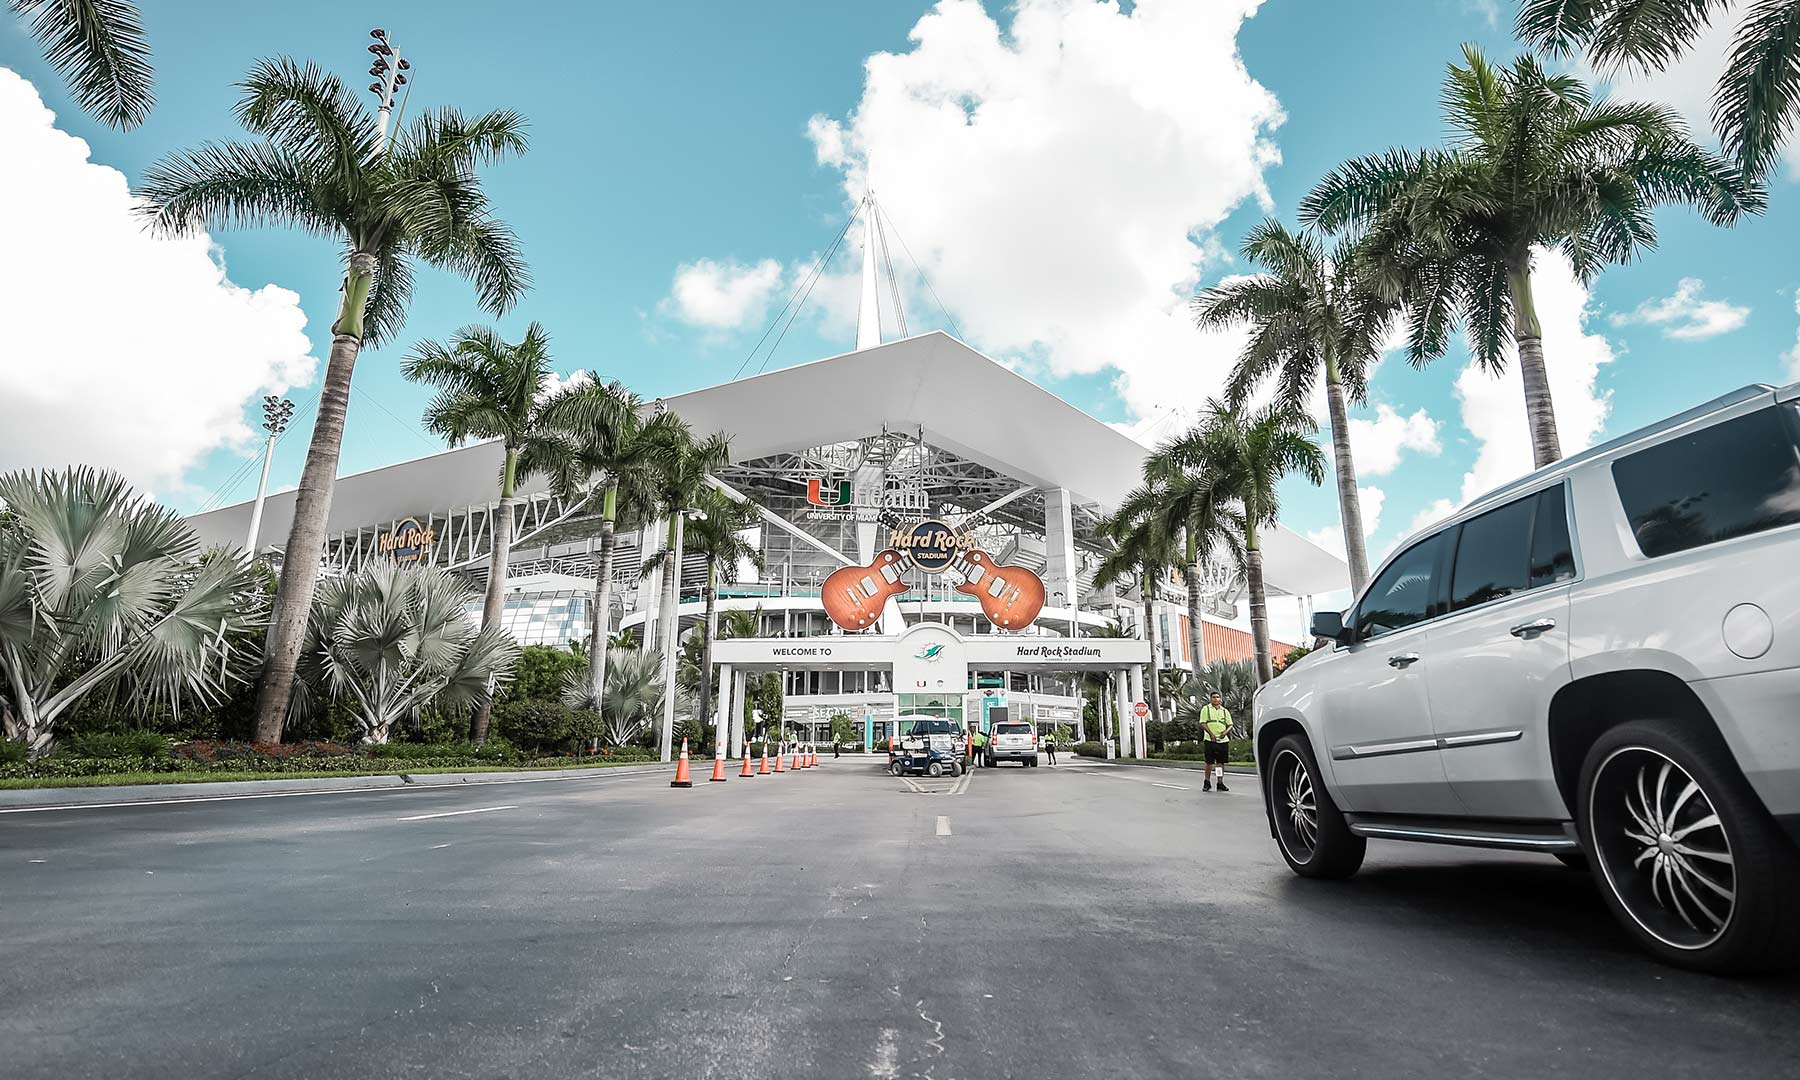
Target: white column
<point>1062,573</point>
<point>722,719</point>
<point>738,681</point>
<point>1136,676</point>
<point>649,590</point>
<point>1122,703</point>
<point>868,312</point>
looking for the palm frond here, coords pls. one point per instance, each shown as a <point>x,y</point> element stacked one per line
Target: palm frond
<point>310,114</point>
<point>101,48</point>
<point>1757,102</point>
<point>233,186</point>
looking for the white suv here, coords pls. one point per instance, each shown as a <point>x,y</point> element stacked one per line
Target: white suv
<point>1600,661</point>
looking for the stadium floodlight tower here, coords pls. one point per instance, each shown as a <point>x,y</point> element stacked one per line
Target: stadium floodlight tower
<point>277,411</point>
<point>389,70</point>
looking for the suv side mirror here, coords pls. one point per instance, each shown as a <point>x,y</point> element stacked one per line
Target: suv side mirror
<point>1330,625</point>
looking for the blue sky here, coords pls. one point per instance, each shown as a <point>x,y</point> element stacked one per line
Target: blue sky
<point>673,139</point>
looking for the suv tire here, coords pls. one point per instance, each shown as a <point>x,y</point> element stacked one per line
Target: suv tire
<point>1309,828</point>
<point>1686,857</point>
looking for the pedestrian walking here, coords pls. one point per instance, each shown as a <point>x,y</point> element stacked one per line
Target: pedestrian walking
<point>1050,748</point>
<point>1215,728</point>
<point>834,750</point>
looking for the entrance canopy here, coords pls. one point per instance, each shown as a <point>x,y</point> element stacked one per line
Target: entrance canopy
<point>928,648</point>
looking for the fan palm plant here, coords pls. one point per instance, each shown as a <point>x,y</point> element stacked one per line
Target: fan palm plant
<point>632,698</point>
<point>1534,163</point>
<point>491,389</point>
<point>100,587</point>
<point>100,47</point>
<point>321,164</point>
<point>1247,454</point>
<point>615,448</point>
<point>1314,315</point>
<point>1144,548</point>
<point>1756,102</point>
<point>388,640</point>
<point>717,537</point>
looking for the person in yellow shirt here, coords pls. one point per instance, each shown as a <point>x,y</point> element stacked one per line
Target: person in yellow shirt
<point>1215,735</point>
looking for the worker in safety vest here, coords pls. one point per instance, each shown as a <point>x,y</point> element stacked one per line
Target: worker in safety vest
<point>981,741</point>
<point>1215,735</point>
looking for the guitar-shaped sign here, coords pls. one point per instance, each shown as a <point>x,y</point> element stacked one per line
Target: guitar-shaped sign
<point>854,596</point>
<point>1010,596</point>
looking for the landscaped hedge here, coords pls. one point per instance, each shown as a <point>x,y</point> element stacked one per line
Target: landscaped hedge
<point>1090,749</point>
<point>296,757</point>
<point>1241,750</point>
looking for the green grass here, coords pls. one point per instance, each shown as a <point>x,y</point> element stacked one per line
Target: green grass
<point>204,777</point>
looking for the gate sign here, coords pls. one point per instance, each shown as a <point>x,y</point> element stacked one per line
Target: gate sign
<point>408,541</point>
<point>1141,709</point>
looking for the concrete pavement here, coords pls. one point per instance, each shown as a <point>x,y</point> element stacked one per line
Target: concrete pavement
<point>1083,920</point>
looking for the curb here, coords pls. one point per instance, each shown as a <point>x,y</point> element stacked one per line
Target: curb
<point>42,798</point>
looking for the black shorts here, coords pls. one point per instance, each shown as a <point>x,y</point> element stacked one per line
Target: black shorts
<point>1217,753</point>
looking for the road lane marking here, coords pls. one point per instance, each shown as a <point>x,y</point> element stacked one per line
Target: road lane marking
<point>943,828</point>
<point>322,791</point>
<point>1177,787</point>
<point>456,813</point>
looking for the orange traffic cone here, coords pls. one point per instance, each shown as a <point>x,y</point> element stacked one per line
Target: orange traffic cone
<point>777,758</point>
<point>812,758</point>
<point>681,769</point>
<point>764,771</point>
<point>748,771</point>
<point>718,776</point>
<point>796,757</point>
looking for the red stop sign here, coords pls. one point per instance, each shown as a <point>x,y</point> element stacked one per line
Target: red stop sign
<point>1142,709</point>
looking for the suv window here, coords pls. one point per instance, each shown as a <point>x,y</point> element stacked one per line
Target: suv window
<point>1491,555</point>
<point>1552,555</point>
<point>1404,592</point>
<point>934,727</point>
<point>1018,728</point>
<point>1731,479</point>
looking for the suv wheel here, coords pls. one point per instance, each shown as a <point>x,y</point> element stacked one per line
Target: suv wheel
<point>1309,828</point>
<point>1688,860</point>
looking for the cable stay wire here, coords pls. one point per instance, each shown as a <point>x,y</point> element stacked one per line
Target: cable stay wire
<point>254,461</point>
<point>818,267</point>
<point>413,431</point>
<point>818,272</point>
<point>921,272</point>
<point>887,258</point>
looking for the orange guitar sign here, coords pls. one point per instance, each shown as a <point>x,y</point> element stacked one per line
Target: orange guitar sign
<point>1010,596</point>
<point>853,596</point>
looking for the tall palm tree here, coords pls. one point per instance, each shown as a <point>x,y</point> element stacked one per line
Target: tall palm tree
<point>100,47</point>
<point>100,587</point>
<point>1533,162</point>
<point>682,466</point>
<point>320,164</point>
<point>1247,454</point>
<point>1144,548</point>
<point>1756,102</point>
<point>717,538</point>
<point>616,444</point>
<point>1185,504</point>
<point>1313,314</point>
<point>488,388</point>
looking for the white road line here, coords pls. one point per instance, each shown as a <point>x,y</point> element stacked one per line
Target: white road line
<point>943,828</point>
<point>297,794</point>
<point>456,813</point>
<point>1177,787</point>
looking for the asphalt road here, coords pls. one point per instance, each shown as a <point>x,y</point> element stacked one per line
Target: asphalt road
<point>1082,921</point>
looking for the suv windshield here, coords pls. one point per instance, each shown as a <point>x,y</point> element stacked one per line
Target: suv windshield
<point>933,727</point>
<point>1012,729</point>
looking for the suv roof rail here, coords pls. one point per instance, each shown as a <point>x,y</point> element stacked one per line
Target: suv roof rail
<point>1723,401</point>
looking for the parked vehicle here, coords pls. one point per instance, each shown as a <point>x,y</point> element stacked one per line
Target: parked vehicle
<point>929,745</point>
<point>1600,661</point>
<point>1012,740</point>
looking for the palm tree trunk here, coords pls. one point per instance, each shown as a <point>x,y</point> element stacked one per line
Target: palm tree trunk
<point>312,508</point>
<point>1259,606</point>
<point>496,587</point>
<point>1196,647</point>
<point>668,623</point>
<point>1356,551</point>
<point>600,622</point>
<point>1540,412</point>
<point>1155,694</point>
<point>709,630</point>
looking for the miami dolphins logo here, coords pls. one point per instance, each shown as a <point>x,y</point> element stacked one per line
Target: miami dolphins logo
<point>930,652</point>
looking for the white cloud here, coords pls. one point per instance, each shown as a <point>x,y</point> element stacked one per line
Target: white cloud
<point>123,349</point>
<point>1377,444</point>
<point>1436,511</point>
<point>1331,538</point>
<point>1493,408</point>
<point>1792,356</point>
<point>723,295</point>
<point>1059,180</point>
<point>1684,316</point>
<point>1489,10</point>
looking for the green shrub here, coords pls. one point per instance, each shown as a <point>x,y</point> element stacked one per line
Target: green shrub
<point>1090,749</point>
<point>12,752</point>
<point>139,744</point>
<point>535,723</point>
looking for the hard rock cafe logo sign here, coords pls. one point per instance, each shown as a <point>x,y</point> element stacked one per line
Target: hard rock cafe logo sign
<point>931,544</point>
<point>408,542</point>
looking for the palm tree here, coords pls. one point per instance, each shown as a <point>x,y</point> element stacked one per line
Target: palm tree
<point>1185,505</point>
<point>717,538</point>
<point>100,47</point>
<point>388,640</point>
<point>322,165</point>
<point>1144,547</point>
<point>616,448</point>
<point>1533,163</point>
<point>682,466</point>
<point>490,389</point>
<point>100,587</point>
<point>1756,102</point>
<point>1247,454</point>
<point>1313,314</point>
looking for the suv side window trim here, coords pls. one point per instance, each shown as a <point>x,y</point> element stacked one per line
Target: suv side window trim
<point>1536,498</point>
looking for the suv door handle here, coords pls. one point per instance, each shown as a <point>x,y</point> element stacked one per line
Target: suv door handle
<point>1402,659</point>
<point>1532,629</point>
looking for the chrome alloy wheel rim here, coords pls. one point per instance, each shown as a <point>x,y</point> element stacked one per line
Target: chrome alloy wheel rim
<point>1663,848</point>
<point>1296,809</point>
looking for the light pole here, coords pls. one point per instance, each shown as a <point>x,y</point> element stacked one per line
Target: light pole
<point>277,411</point>
<point>389,77</point>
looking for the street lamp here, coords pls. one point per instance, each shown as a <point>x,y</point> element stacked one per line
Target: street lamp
<point>277,411</point>
<point>389,70</point>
